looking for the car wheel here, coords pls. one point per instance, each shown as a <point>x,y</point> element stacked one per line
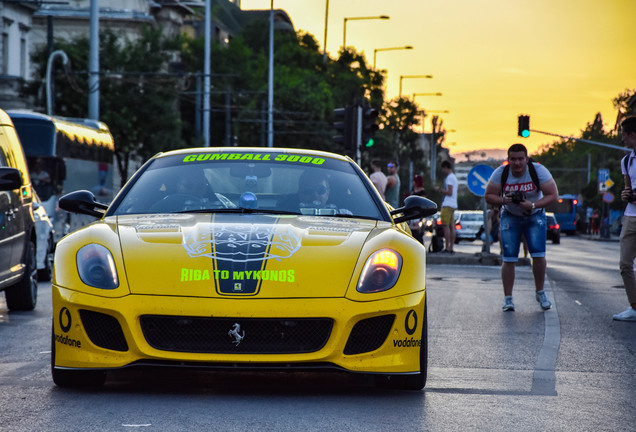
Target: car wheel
<point>415,381</point>
<point>74,378</point>
<point>556,240</point>
<point>24,295</point>
<point>46,273</point>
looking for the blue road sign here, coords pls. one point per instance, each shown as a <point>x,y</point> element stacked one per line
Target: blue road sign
<point>477,179</point>
<point>603,175</point>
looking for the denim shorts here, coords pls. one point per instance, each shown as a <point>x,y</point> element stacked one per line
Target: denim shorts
<point>533,227</point>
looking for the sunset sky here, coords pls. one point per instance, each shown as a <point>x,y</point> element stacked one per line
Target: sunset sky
<point>559,61</point>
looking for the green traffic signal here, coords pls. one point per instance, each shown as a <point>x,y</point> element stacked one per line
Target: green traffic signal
<point>524,126</point>
<point>369,126</point>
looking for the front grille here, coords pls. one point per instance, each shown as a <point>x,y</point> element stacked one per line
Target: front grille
<point>236,335</point>
<point>369,334</point>
<point>103,330</point>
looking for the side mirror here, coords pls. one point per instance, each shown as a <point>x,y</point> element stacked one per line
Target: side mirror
<point>415,207</point>
<point>83,202</point>
<point>10,179</point>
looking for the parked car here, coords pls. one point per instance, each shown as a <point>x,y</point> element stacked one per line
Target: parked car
<point>467,224</point>
<point>242,258</point>
<point>18,240</point>
<point>553,228</point>
<point>45,239</point>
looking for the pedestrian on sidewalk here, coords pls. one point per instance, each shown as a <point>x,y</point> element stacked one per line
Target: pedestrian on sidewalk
<point>596,221</point>
<point>377,176</point>
<point>523,188</point>
<point>417,230</point>
<point>449,205</point>
<point>392,191</point>
<point>628,230</point>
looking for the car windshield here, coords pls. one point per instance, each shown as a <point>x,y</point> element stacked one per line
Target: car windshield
<point>280,183</point>
<point>472,217</point>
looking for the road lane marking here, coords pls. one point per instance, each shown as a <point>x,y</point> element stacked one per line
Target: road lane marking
<point>544,379</point>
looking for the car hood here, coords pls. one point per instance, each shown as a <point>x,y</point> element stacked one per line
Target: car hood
<point>247,255</point>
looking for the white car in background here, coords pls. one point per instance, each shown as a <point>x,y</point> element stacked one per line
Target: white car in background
<point>467,224</point>
<point>45,240</point>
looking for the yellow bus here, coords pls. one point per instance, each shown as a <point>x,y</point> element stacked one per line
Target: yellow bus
<point>64,155</point>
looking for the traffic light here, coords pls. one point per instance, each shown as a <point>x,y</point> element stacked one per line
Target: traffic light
<point>344,124</point>
<point>524,126</point>
<point>369,127</point>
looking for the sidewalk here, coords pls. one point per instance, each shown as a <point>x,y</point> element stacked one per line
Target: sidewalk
<point>468,253</point>
<point>596,237</point>
<point>464,258</point>
<point>470,258</point>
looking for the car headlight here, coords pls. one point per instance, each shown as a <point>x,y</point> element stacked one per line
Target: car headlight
<point>380,272</point>
<point>96,267</point>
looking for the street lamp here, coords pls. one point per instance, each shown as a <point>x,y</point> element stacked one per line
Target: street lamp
<point>426,94</point>
<point>344,31</point>
<point>324,48</point>
<point>411,76</point>
<point>375,51</point>
<point>49,80</point>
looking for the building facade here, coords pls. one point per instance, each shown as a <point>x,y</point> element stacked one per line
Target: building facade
<point>16,27</point>
<point>28,25</point>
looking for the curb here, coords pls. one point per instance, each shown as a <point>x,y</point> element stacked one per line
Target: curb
<point>460,258</point>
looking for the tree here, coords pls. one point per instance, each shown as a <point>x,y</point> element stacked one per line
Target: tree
<point>568,159</point>
<point>621,103</point>
<point>306,89</point>
<point>137,95</point>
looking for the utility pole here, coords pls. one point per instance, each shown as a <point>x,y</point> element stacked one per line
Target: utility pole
<point>206,74</point>
<point>270,96</point>
<point>93,66</point>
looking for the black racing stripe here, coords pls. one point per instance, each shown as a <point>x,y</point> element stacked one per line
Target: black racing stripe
<point>240,247</point>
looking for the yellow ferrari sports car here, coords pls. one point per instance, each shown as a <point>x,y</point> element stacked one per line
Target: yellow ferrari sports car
<point>247,258</point>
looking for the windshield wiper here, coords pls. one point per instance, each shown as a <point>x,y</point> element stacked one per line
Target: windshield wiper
<point>241,210</point>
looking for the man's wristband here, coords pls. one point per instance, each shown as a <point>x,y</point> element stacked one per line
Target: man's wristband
<point>533,206</point>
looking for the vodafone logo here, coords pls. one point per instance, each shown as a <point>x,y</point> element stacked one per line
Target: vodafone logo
<point>65,319</point>
<point>410,322</point>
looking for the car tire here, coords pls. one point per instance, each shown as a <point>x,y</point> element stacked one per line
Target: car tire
<point>23,295</point>
<point>46,274</point>
<point>414,381</point>
<point>74,378</point>
<point>556,240</point>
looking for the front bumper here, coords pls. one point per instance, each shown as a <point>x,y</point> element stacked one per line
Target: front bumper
<point>103,333</point>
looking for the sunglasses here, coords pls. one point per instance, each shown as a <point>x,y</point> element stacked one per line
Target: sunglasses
<point>317,190</point>
<point>390,165</point>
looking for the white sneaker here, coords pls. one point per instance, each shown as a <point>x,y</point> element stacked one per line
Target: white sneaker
<point>508,305</point>
<point>628,314</point>
<point>543,300</point>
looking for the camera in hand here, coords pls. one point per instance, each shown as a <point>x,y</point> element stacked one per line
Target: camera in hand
<point>517,196</point>
<point>632,196</point>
